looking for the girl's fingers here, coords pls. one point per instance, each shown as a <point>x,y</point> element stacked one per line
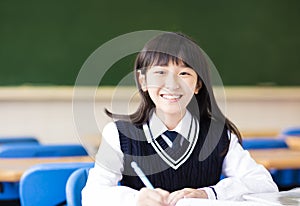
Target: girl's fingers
<point>165,194</point>
<point>150,197</point>
<point>174,197</point>
<point>197,194</point>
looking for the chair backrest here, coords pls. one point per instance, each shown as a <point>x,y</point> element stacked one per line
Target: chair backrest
<point>75,184</point>
<point>18,140</point>
<point>39,150</point>
<point>45,184</point>
<point>263,143</point>
<point>291,131</point>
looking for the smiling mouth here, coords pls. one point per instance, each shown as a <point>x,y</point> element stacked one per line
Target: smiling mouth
<point>171,97</point>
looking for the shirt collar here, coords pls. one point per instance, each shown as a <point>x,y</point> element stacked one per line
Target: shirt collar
<point>157,127</point>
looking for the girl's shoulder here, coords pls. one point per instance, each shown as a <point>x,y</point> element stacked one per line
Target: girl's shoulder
<point>124,125</point>
<point>115,125</point>
<point>128,129</point>
<point>110,126</point>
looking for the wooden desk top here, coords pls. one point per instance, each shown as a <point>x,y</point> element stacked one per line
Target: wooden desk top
<point>11,169</point>
<point>277,158</point>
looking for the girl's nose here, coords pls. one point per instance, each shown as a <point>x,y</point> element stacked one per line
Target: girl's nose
<point>172,81</point>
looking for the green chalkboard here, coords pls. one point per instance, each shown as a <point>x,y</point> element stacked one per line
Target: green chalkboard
<point>251,42</point>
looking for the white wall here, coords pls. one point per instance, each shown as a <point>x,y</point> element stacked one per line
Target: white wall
<point>46,112</point>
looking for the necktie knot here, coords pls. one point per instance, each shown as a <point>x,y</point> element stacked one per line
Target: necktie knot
<point>171,135</point>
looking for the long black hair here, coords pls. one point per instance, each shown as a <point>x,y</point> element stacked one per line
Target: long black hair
<point>180,50</point>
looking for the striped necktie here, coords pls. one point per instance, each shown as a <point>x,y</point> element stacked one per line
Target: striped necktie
<point>171,135</point>
<point>175,139</point>
<point>177,150</point>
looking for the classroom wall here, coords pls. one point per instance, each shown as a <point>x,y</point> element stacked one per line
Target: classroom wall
<point>47,112</point>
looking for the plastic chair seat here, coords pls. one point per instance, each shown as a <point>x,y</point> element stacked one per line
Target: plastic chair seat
<point>10,190</point>
<point>45,184</point>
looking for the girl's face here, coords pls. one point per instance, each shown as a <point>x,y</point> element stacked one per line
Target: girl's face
<point>171,87</point>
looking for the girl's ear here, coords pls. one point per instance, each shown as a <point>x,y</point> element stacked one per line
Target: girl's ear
<point>142,81</point>
<point>198,87</point>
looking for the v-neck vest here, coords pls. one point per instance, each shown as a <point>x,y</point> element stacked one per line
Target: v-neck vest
<point>191,174</point>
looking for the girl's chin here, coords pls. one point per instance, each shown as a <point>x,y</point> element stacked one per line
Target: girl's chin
<point>172,111</point>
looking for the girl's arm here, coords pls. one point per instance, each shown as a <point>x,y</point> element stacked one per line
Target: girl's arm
<point>102,184</point>
<point>243,174</point>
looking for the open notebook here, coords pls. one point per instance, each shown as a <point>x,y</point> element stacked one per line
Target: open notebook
<point>206,202</point>
<point>291,197</point>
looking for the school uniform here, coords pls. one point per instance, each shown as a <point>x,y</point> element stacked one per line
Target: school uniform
<point>171,169</point>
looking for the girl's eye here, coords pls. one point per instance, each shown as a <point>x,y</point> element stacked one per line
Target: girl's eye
<point>159,72</point>
<point>184,73</point>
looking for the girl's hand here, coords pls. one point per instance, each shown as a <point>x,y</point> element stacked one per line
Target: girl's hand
<point>174,197</point>
<point>152,197</point>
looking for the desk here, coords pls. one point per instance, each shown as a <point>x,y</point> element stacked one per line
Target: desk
<point>11,169</point>
<point>277,158</point>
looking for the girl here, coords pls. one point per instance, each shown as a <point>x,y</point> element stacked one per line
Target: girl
<point>178,136</point>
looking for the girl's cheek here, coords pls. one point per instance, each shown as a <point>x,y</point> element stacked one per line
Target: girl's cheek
<point>154,81</point>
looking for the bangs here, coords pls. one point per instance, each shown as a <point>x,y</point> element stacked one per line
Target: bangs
<point>171,48</point>
<point>151,58</point>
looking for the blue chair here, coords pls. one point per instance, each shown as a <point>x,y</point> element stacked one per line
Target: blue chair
<point>263,143</point>
<point>75,184</point>
<point>45,184</point>
<point>33,150</point>
<point>18,140</point>
<point>284,178</point>
<point>295,132</point>
<point>10,190</point>
<point>292,131</point>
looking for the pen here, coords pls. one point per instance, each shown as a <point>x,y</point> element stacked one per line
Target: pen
<point>141,175</point>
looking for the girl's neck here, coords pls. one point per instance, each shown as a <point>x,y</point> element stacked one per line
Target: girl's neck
<point>170,120</point>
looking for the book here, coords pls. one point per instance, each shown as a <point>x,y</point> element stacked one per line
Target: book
<point>290,197</point>
<point>207,202</point>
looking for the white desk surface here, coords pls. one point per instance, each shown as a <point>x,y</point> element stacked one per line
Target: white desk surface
<point>291,198</point>
<point>206,202</point>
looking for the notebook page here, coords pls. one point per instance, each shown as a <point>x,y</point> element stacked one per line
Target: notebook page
<point>291,197</point>
<point>206,202</point>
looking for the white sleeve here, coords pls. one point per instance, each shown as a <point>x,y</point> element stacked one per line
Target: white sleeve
<point>244,175</point>
<point>102,184</point>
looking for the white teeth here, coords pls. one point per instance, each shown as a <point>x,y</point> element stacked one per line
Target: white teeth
<point>166,96</point>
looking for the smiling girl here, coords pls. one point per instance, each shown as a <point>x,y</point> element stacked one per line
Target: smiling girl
<point>171,88</point>
<point>178,136</point>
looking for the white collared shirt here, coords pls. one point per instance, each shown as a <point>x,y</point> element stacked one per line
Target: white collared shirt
<point>157,128</point>
<point>243,174</point>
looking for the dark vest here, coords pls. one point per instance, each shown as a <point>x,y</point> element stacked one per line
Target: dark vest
<point>191,174</point>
